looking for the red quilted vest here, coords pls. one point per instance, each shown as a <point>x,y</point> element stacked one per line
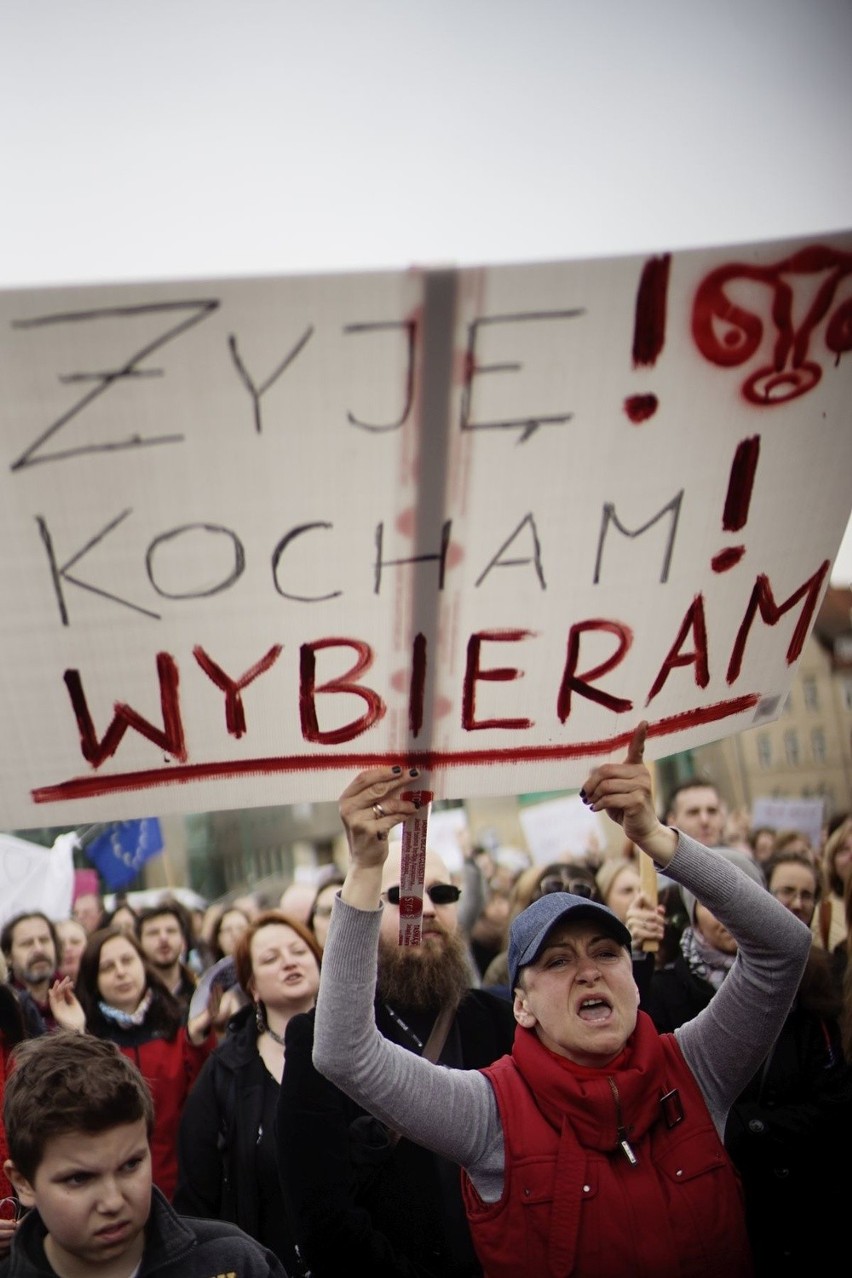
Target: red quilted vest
<point>574,1204</point>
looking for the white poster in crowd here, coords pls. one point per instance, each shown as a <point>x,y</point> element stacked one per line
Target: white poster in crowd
<point>33,877</point>
<point>260,534</point>
<point>562,830</point>
<point>805,815</point>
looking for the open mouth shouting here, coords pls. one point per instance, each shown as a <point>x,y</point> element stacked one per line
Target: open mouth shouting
<point>594,1009</point>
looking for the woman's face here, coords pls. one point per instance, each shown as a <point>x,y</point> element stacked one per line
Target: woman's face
<point>230,929</point>
<point>285,974</point>
<point>322,912</point>
<point>125,919</point>
<point>72,941</point>
<point>121,974</point>
<point>843,858</point>
<point>622,890</point>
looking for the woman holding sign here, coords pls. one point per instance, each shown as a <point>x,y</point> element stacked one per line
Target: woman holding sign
<point>596,1146</point>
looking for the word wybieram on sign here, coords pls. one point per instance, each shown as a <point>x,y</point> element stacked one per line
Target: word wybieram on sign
<point>259,534</point>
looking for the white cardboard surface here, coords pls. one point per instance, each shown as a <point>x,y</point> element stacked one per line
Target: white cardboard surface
<point>262,533</point>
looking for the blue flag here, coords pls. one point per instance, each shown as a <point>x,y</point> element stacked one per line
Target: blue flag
<point>120,851</point>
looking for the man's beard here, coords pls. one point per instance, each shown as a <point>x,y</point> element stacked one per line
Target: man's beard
<point>37,971</point>
<point>426,976</point>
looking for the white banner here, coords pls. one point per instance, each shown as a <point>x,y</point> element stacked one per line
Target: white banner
<point>33,877</point>
<point>262,533</point>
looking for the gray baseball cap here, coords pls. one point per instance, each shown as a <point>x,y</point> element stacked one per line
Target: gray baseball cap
<point>532,926</point>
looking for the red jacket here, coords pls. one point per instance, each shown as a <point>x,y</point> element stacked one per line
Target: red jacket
<point>573,1203</point>
<point>6,1190</point>
<point>170,1067</point>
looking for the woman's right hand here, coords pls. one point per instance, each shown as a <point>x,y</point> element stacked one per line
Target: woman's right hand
<point>370,807</point>
<point>65,1006</point>
<point>645,922</point>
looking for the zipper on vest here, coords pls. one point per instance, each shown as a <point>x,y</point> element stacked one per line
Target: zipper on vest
<point>621,1130</point>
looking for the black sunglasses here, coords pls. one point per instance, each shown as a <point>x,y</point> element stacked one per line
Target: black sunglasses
<point>556,883</point>
<point>438,893</point>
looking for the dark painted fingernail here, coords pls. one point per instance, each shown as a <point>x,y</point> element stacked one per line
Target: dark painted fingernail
<point>412,772</point>
<point>379,835</point>
<point>583,795</point>
<point>416,803</point>
<point>397,769</point>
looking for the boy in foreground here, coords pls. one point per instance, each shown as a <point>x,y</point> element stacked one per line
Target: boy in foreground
<point>78,1116</point>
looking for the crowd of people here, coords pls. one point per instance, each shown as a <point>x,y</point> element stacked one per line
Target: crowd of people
<point>583,1068</point>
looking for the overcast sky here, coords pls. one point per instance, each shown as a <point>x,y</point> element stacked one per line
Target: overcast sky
<point>202,138</point>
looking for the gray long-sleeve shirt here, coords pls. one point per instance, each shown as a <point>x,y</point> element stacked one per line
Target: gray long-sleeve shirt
<point>454,1112</point>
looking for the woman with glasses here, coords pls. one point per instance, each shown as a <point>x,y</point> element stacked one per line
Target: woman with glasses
<point>320,911</point>
<point>530,885</point>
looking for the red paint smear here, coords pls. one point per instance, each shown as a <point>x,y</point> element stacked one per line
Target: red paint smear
<point>740,484</point>
<point>640,407</point>
<point>406,526</point>
<point>129,782</point>
<point>406,522</point>
<point>649,327</point>
<point>727,558</point>
<point>463,367</point>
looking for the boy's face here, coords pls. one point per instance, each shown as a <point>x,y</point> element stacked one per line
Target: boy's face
<point>93,1193</point>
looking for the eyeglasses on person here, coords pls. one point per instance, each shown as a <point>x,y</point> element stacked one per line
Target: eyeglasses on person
<point>787,895</point>
<point>438,893</point>
<point>564,883</point>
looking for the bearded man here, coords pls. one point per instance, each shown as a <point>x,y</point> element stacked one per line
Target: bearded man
<point>30,947</point>
<point>356,1192</point>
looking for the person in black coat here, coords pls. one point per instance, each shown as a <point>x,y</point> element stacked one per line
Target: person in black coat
<point>226,1143</point>
<point>788,1131</point>
<point>358,1196</point>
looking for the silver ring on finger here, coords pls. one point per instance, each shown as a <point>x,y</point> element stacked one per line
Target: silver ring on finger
<point>378,811</point>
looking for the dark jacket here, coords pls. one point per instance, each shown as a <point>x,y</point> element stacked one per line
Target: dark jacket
<point>358,1199</point>
<point>222,1143</point>
<point>675,995</point>
<point>174,1248</point>
<point>789,1134</point>
<point>789,1130</point>
<point>170,1067</point>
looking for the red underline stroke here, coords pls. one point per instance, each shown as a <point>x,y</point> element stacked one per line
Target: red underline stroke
<point>430,761</point>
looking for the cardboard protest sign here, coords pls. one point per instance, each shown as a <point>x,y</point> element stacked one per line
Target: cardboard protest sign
<point>261,533</point>
<point>805,815</point>
<point>562,829</point>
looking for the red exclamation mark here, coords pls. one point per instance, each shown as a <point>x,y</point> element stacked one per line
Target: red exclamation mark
<point>649,330</point>
<point>738,500</point>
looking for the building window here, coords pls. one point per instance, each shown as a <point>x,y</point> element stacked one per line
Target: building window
<point>791,747</point>
<point>764,750</point>
<point>811,694</point>
<point>818,745</point>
